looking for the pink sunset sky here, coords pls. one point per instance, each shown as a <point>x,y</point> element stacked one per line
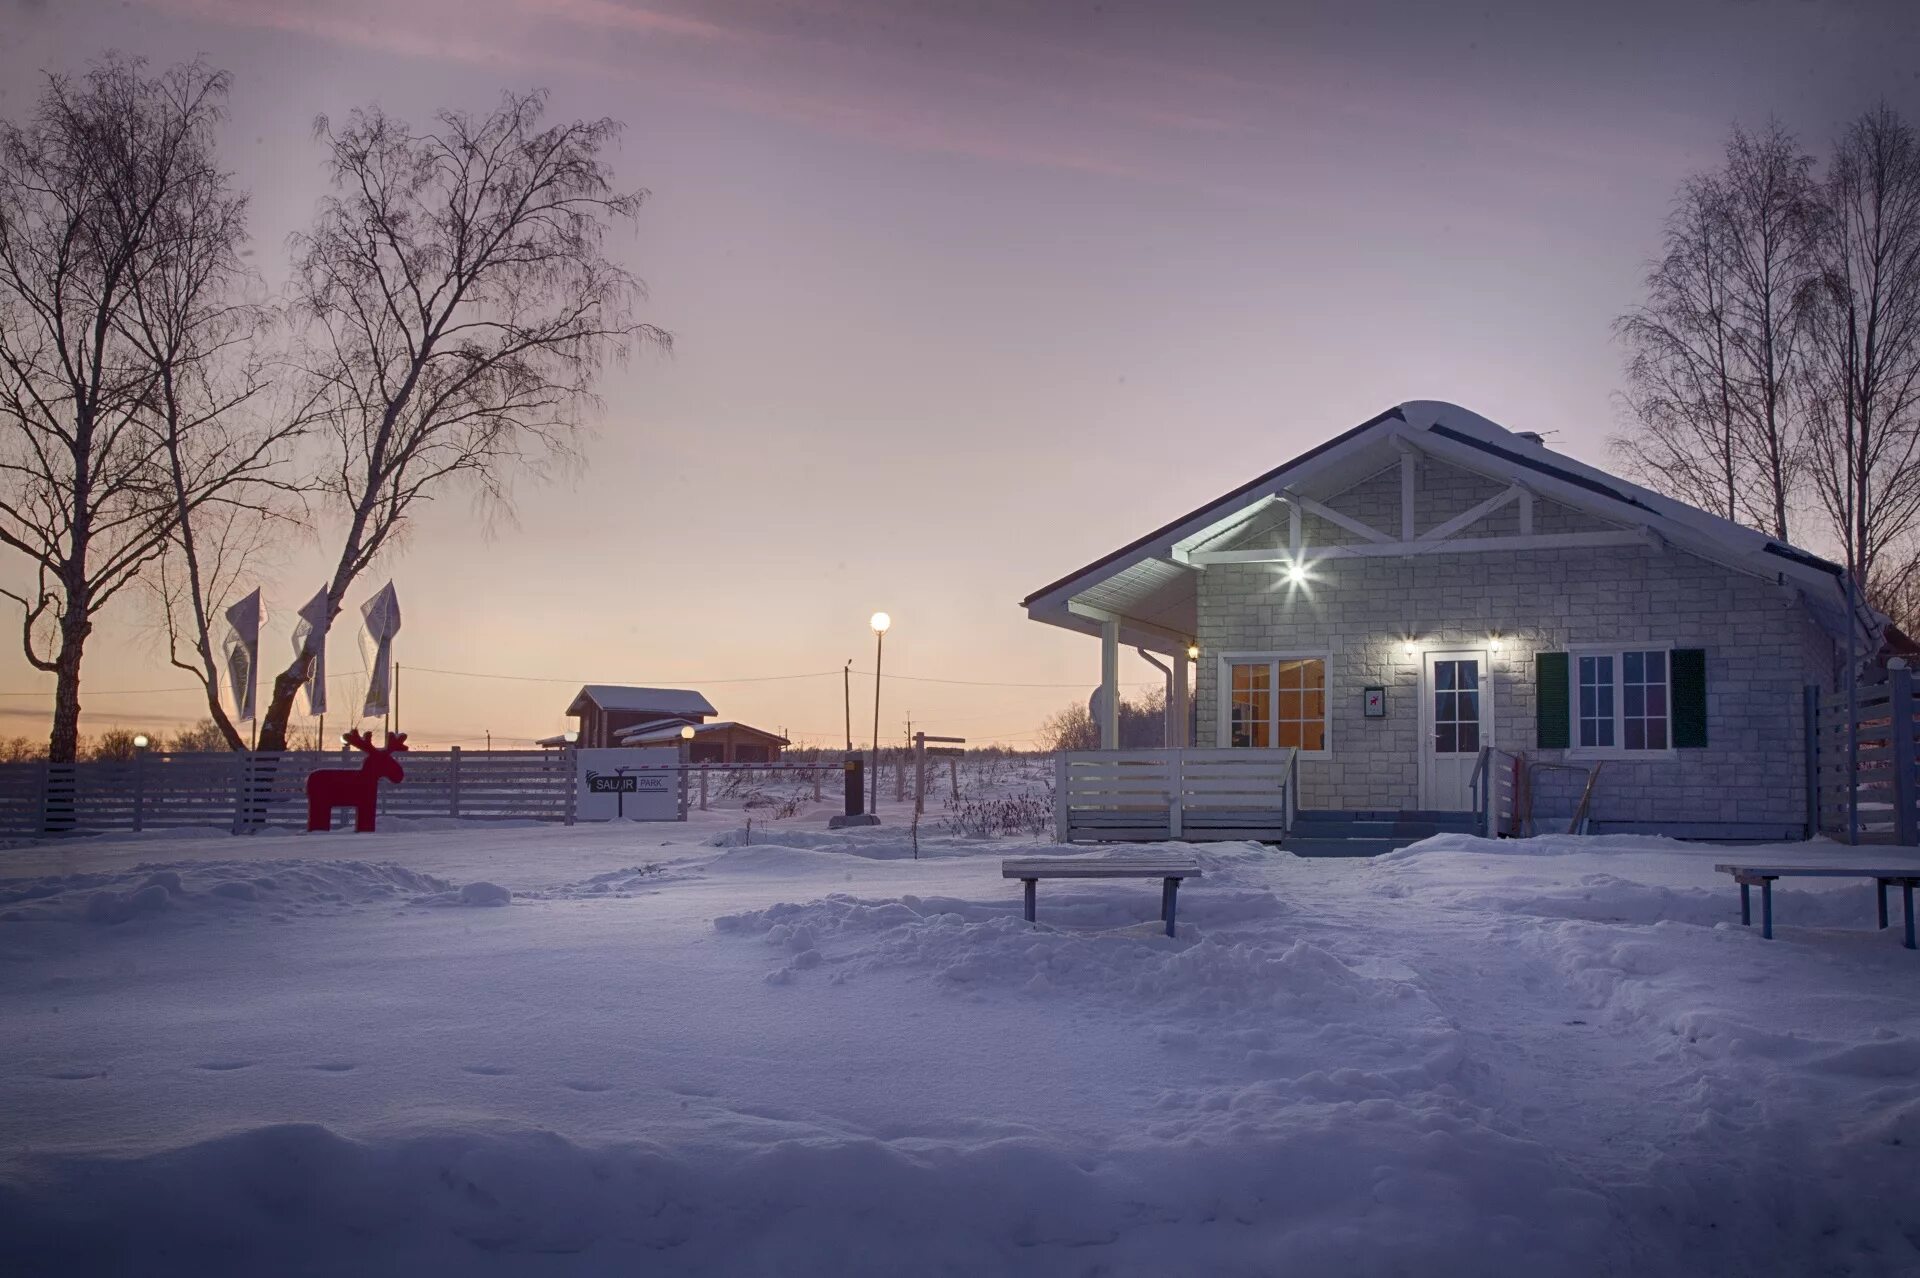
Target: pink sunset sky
<point>964,296</point>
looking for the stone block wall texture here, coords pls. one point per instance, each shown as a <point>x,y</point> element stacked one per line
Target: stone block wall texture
<point>1762,649</point>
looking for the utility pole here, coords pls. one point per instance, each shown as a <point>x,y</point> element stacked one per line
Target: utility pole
<point>846,689</point>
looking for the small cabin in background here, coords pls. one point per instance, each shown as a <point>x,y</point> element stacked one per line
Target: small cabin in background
<point>614,715</point>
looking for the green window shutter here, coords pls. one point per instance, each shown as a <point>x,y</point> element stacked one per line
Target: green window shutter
<point>1551,730</point>
<point>1688,670</point>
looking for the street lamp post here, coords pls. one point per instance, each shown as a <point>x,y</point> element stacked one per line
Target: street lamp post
<point>879,621</point>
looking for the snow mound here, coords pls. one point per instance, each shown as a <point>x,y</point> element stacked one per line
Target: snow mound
<point>1538,845</point>
<point>874,843</point>
<point>1390,1190</point>
<point>1104,944</point>
<point>198,888</point>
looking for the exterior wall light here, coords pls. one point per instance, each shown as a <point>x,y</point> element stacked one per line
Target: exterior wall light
<point>1413,649</point>
<point>1193,652</point>
<point>1296,573</point>
<point>1495,643</point>
<point>686,733</point>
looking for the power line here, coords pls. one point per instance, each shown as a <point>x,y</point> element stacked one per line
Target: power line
<point>155,692</point>
<point>481,674</point>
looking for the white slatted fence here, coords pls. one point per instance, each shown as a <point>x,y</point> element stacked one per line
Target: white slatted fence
<point>1864,763</point>
<point>1128,796</point>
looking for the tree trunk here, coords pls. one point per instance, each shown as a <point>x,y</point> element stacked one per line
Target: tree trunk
<point>286,686</point>
<point>63,745</point>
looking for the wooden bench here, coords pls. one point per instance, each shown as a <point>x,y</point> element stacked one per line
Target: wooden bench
<point>1747,876</point>
<point>1168,870</point>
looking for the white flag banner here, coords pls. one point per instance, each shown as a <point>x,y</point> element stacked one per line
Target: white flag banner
<point>380,616</point>
<point>243,653</point>
<point>310,636</point>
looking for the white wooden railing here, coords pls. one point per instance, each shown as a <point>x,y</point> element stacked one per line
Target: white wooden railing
<point>1127,796</point>
<point>1496,786</point>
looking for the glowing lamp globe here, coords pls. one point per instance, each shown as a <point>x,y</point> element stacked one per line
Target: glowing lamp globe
<point>880,621</point>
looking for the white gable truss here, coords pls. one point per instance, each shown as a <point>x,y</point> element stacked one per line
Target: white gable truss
<point>1147,589</point>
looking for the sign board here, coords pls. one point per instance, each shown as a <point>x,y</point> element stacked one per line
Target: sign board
<point>1375,703</point>
<point>629,785</point>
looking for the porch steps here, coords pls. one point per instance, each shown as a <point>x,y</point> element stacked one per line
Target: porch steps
<point>1328,832</point>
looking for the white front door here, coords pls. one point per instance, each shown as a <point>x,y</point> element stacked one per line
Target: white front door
<point>1456,719</point>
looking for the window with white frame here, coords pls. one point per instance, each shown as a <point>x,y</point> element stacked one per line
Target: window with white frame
<point>1276,701</point>
<point>1622,699</point>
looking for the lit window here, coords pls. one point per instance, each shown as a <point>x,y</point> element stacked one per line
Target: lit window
<point>1623,700</point>
<point>1253,705</point>
<point>1277,701</point>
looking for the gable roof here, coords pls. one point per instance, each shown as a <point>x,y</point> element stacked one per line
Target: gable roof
<point>617,696</point>
<point>1149,581</point>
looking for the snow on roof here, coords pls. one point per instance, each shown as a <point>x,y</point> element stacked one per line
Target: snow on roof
<point>671,731</point>
<point>618,696</point>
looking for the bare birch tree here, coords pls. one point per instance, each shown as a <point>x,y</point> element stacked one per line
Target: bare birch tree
<point>86,189</point>
<point>1715,351</point>
<point>1768,211</point>
<point>1864,377</point>
<point>460,307</point>
<point>222,445</point>
<point>1679,364</point>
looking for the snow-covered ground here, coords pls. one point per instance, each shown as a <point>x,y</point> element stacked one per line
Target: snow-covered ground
<point>674,1051</point>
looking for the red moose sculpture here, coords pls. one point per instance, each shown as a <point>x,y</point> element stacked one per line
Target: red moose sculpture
<point>330,788</point>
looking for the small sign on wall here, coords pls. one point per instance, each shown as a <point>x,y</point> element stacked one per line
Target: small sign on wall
<point>1374,702</point>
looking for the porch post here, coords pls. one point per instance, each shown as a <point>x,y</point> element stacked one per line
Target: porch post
<point>1177,707</point>
<point>1110,685</point>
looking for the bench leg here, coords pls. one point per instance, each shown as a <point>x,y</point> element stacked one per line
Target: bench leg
<point>1028,886</point>
<point>1880,890</point>
<point>1746,906</point>
<point>1170,893</point>
<point>1906,894</point>
<point>1766,908</point>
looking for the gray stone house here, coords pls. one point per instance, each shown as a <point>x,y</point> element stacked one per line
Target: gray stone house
<point>1429,585</point>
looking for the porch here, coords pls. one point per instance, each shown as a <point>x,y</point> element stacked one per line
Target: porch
<point>1194,795</point>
